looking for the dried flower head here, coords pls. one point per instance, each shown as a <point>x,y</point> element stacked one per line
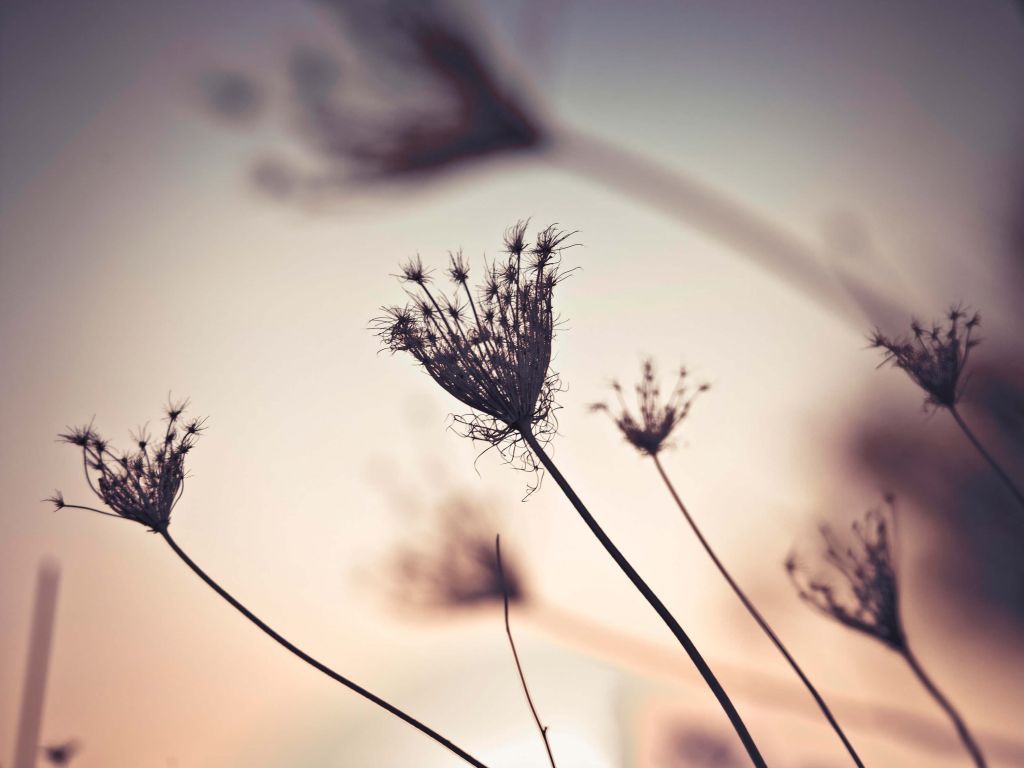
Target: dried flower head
<point>858,585</point>
<point>457,567</point>
<point>143,484</point>
<point>651,428</point>
<point>490,348</point>
<point>936,357</point>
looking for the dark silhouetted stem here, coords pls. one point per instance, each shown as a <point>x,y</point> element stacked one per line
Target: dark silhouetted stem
<point>961,727</point>
<point>653,599</point>
<point>316,664</point>
<point>761,622</point>
<point>515,655</point>
<point>1011,486</point>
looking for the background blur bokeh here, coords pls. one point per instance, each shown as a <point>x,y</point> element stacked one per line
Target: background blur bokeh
<point>211,199</point>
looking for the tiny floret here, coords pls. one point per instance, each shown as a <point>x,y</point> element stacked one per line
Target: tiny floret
<point>855,581</point>
<point>145,484</point>
<point>650,428</point>
<point>934,357</point>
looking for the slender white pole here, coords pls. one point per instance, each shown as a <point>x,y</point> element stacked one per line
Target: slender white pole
<point>26,749</point>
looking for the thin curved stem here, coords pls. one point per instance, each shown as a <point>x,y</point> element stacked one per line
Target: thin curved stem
<point>761,622</point>
<point>515,655</point>
<point>961,727</point>
<point>1010,485</point>
<point>655,602</point>
<point>316,664</point>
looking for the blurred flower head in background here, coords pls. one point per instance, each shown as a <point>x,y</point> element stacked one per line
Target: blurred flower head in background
<point>854,580</point>
<point>935,358</point>
<point>416,89</point>
<point>455,566</point>
<point>650,429</point>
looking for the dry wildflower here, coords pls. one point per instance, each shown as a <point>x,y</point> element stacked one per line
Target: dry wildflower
<point>490,348</point>
<point>934,357</point>
<point>146,483</point>
<point>458,567</point>
<point>650,429</point>
<point>860,591</point>
<point>143,484</point>
<point>858,586</point>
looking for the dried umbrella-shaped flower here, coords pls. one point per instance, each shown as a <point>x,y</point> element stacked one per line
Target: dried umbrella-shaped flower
<point>935,358</point>
<point>649,433</point>
<point>492,352</point>
<point>859,588</point>
<point>145,485</point>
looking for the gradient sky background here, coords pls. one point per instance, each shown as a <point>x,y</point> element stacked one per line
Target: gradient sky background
<point>135,259</point>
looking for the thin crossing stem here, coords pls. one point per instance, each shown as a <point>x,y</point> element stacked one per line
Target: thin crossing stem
<point>313,662</point>
<point>958,722</point>
<point>761,621</point>
<point>655,602</point>
<point>996,467</point>
<point>515,655</point>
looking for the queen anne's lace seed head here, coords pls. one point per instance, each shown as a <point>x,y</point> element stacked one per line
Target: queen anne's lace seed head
<point>855,583</point>
<point>935,358</point>
<point>143,484</point>
<point>649,430</point>
<point>490,348</point>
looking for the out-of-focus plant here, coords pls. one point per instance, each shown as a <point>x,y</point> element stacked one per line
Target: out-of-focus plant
<point>854,582</point>
<point>649,431</point>
<point>935,358</point>
<point>421,89</point>
<point>491,350</point>
<point>144,485</point>
<point>61,754</point>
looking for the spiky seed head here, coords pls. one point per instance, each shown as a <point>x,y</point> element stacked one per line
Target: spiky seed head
<point>143,485</point>
<point>651,427</point>
<point>934,357</point>
<point>490,348</point>
<point>853,579</point>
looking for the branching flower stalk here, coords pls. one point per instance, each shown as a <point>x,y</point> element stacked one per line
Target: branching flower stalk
<point>856,585</point>
<point>649,431</point>
<point>144,485</point>
<point>935,358</point>
<point>491,350</point>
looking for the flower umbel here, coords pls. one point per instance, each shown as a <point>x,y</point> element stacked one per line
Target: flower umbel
<point>858,587</point>
<point>143,484</point>
<point>650,429</point>
<point>934,358</point>
<point>490,348</point>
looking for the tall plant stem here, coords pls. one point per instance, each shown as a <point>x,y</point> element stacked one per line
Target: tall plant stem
<point>961,727</point>
<point>653,599</point>
<point>761,622</point>
<point>316,664</point>
<point>1011,486</point>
